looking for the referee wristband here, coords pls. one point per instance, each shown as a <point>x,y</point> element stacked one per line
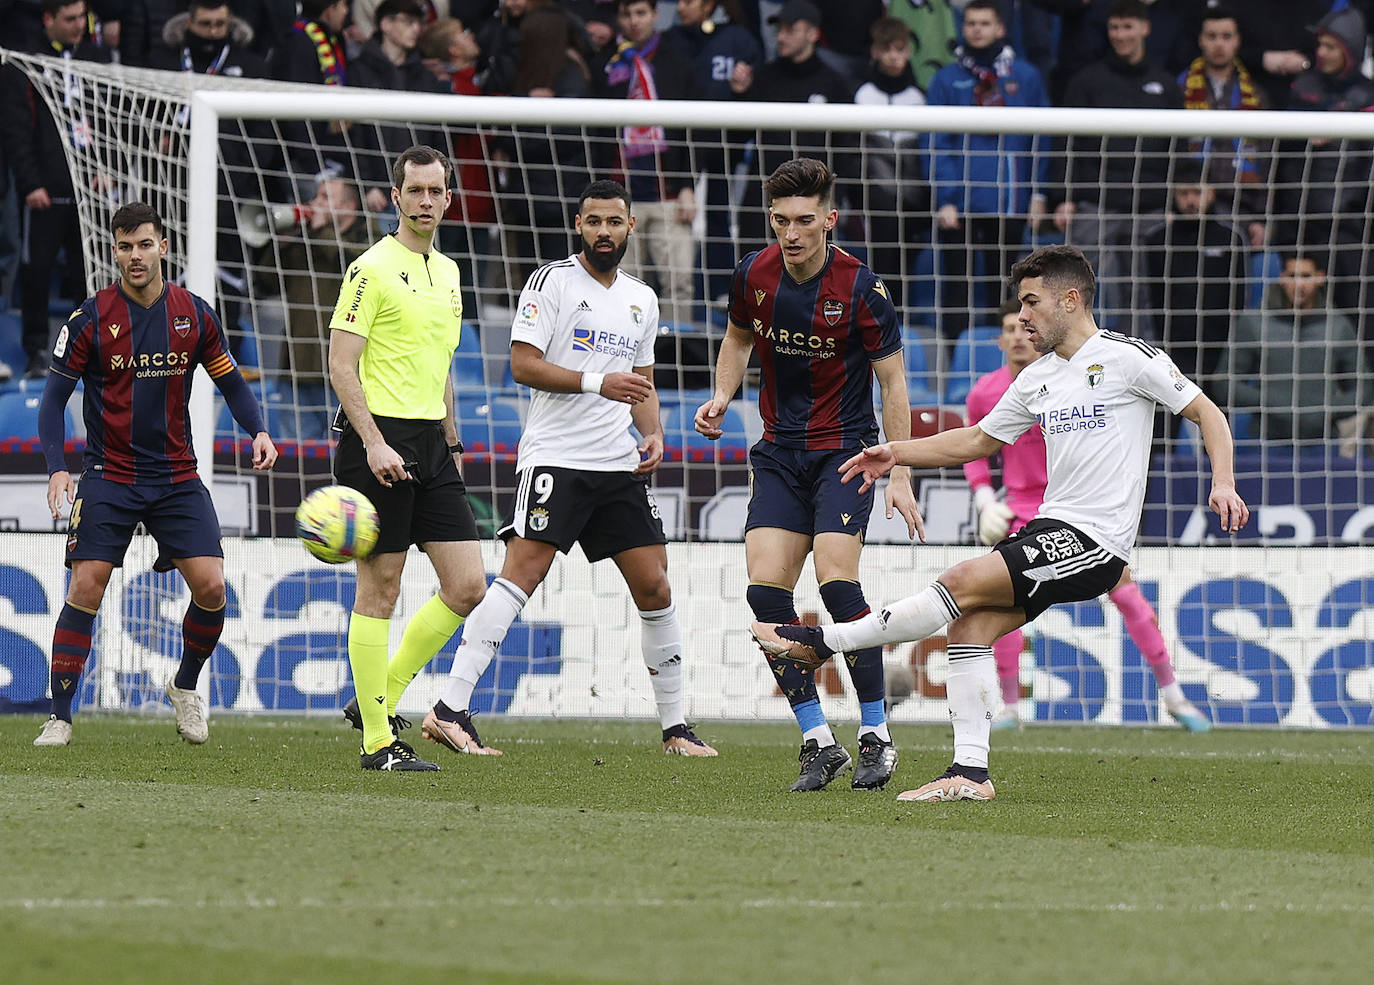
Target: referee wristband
<point>456,449</point>
<point>591,382</point>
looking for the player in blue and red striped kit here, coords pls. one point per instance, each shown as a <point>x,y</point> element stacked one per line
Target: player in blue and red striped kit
<point>135,345</point>
<point>823,326</point>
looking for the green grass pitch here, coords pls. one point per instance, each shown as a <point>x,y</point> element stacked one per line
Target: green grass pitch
<point>585,856</point>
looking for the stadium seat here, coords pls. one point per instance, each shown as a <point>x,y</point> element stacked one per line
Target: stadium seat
<point>468,373</point>
<point>488,426</point>
<point>683,443</point>
<point>11,348</point>
<point>926,421</point>
<point>225,425</point>
<point>917,366</point>
<point>975,354</point>
<point>19,415</point>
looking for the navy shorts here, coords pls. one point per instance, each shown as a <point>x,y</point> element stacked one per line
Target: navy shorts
<point>179,516</point>
<point>606,512</point>
<point>800,490</point>
<point>1052,562</point>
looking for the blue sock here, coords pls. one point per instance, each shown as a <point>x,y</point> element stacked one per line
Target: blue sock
<point>872,713</point>
<point>809,715</point>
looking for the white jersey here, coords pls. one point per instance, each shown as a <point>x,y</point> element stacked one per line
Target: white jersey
<point>581,325</point>
<point>1096,411</point>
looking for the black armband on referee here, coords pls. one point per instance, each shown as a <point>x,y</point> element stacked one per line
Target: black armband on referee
<point>456,448</point>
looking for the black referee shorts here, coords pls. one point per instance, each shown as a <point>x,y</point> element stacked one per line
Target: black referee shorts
<point>431,507</point>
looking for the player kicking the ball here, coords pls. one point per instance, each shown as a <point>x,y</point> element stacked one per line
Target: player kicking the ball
<point>1023,474</point>
<point>1093,393</point>
<point>583,339</point>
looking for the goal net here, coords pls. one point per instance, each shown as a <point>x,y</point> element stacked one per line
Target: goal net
<point>1204,228</point>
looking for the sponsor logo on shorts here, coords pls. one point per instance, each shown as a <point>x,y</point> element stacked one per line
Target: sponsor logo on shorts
<point>845,518</point>
<point>539,519</point>
<point>1031,552</point>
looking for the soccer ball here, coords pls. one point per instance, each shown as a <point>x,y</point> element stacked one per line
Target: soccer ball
<point>337,524</point>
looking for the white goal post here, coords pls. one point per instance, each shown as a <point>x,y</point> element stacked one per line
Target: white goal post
<point>1271,633</point>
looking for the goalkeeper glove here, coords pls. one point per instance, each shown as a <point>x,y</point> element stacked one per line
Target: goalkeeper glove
<point>994,516</point>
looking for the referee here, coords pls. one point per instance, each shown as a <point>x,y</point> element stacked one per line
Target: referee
<point>391,343</point>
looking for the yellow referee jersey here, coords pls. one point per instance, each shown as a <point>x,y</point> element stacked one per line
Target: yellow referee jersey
<point>408,307</point>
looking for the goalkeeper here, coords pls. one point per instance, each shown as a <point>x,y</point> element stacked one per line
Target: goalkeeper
<point>1024,476</point>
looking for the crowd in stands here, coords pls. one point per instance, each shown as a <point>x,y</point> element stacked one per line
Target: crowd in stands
<point>1175,228</point>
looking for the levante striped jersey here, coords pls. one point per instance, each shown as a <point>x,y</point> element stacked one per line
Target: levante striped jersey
<point>137,364</point>
<point>816,342</point>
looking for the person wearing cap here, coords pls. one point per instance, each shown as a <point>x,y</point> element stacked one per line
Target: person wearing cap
<point>391,60</point>
<point>797,75</point>
<point>1322,184</point>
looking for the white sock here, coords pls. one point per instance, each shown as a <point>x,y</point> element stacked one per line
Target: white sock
<point>912,618</point>
<point>660,637</point>
<point>485,628</point>
<point>880,730</point>
<point>1173,695</point>
<point>973,694</point>
<point>821,733</point>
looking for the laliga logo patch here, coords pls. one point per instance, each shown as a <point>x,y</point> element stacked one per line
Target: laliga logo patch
<point>182,325</point>
<point>1095,375</point>
<point>832,310</point>
<point>539,518</point>
<point>529,311</point>
<point>582,339</point>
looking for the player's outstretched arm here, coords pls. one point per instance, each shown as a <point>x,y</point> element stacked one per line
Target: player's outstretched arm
<point>1223,500</point>
<point>731,363</point>
<point>948,448</point>
<point>529,367</point>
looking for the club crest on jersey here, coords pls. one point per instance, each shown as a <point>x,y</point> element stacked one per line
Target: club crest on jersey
<point>637,315</point>
<point>583,340</point>
<point>1095,375</point>
<point>182,325</point>
<point>760,296</point>
<point>832,310</point>
<point>455,301</point>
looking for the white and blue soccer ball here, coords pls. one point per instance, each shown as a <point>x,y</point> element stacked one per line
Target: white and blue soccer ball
<point>337,524</point>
